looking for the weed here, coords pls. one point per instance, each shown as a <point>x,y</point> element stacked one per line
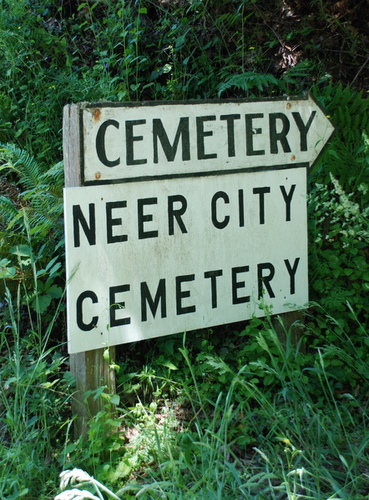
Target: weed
<point>34,395</point>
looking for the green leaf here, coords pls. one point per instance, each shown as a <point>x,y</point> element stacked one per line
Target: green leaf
<point>115,399</point>
<point>41,303</point>
<point>106,355</point>
<point>5,271</point>
<point>365,275</point>
<point>168,364</point>
<point>55,291</point>
<point>333,153</point>
<point>21,250</point>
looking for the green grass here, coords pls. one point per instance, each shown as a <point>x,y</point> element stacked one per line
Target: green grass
<point>300,441</point>
<point>34,391</point>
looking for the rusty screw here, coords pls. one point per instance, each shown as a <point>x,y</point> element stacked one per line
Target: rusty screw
<point>97,113</point>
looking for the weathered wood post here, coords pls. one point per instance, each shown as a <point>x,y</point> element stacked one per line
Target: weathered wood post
<point>289,323</point>
<point>89,368</point>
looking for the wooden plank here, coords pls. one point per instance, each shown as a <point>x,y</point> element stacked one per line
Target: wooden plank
<point>91,371</point>
<point>72,145</point>
<point>290,328</point>
<point>89,368</point>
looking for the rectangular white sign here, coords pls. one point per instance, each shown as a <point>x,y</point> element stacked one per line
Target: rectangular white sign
<point>128,141</point>
<point>153,258</point>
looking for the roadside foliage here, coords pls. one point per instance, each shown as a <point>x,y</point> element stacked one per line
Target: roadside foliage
<point>255,410</point>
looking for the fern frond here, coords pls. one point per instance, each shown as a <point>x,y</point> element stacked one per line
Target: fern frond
<point>8,212</point>
<point>248,81</point>
<point>54,179</point>
<point>347,155</point>
<point>18,160</point>
<point>55,172</point>
<point>44,208</point>
<point>41,197</point>
<point>228,20</point>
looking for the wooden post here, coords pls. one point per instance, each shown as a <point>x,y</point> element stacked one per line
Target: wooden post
<point>289,323</point>
<point>89,368</point>
<point>91,372</point>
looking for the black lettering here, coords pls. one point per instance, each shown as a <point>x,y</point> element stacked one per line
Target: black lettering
<point>114,306</point>
<point>241,208</point>
<point>110,222</point>
<point>182,294</point>
<point>264,280</point>
<point>216,223</point>
<point>146,298</point>
<point>292,273</point>
<point>213,285</point>
<point>176,213</point>
<point>230,132</point>
<point>236,285</point>
<point>142,218</point>
<point>281,136</point>
<point>183,132</point>
<point>250,132</point>
<point>288,198</point>
<point>261,191</point>
<point>303,129</point>
<point>85,327</point>
<point>130,139</point>
<point>100,143</point>
<point>88,228</point>
<point>201,134</point>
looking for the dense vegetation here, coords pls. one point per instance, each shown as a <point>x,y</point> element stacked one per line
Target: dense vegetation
<point>252,411</point>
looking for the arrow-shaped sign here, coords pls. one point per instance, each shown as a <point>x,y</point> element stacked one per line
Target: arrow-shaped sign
<point>132,141</point>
